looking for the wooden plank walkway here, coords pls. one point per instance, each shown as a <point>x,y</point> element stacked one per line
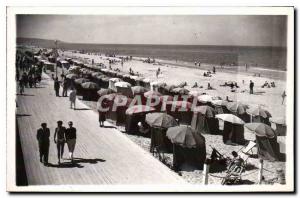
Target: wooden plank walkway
<point>103,155</point>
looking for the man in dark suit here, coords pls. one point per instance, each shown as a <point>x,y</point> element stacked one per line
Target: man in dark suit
<point>42,136</point>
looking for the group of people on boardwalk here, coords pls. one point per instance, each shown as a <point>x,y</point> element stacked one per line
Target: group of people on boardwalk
<point>65,85</point>
<point>62,135</point>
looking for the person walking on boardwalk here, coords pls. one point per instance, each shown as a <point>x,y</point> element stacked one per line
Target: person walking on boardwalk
<point>251,86</point>
<point>72,98</point>
<point>65,87</point>
<point>56,86</point>
<point>42,137</point>
<point>60,139</point>
<point>283,96</point>
<point>71,139</point>
<point>102,111</point>
<point>21,86</point>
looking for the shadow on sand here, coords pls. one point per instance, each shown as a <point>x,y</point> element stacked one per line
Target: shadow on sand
<point>25,95</point>
<point>76,163</point>
<point>109,127</point>
<point>81,109</point>
<point>23,115</point>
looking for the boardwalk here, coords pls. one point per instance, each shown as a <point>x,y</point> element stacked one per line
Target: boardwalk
<point>102,155</point>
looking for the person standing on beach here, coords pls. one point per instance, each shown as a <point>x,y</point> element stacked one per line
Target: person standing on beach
<point>42,137</point>
<point>65,87</point>
<point>72,98</point>
<point>251,86</point>
<point>71,139</point>
<point>283,96</point>
<point>60,139</point>
<point>102,111</point>
<point>56,86</point>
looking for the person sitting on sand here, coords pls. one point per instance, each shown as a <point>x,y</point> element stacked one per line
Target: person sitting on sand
<point>273,84</point>
<point>214,69</point>
<point>236,85</point>
<point>283,96</point>
<point>228,100</point>
<point>204,74</point>
<point>195,85</point>
<point>209,87</point>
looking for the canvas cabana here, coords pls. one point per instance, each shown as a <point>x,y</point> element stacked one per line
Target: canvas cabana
<point>204,120</point>
<point>279,125</point>
<point>180,110</point>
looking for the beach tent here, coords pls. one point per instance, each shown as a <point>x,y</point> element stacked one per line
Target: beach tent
<point>77,84</point>
<point>279,125</point>
<point>239,109</point>
<point>156,85</point>
<point>124,88</point>
<point>188,147</point>
<point>232,128</point>
<point>204,120</point>
<point>103,92</point>
<point>259,115</point>
<point>159,123</point>
<point>266,141</point>
<point>220,106</point>
<point>180,110</point>
<point>134,115</point>
<point>146,83</point>
<point>90,91</point>
<point>112,82</point>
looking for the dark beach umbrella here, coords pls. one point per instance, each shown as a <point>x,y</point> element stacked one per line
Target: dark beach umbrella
<point>138,90</point>
<point>81,80</point>
<point>237,107</point>
<point>103,92</point>
<point>185,136</point>
<point>181,91</point>
<point>161,120</point>
<point>205,110</point>
<point>259,112</point>
<point>89,85</point>
<point>139,109</point>
<point>261,129</point>
<point>72,76</point>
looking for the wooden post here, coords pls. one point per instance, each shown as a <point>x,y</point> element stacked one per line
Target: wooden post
<point>206,171</point>
<point>260,172</point>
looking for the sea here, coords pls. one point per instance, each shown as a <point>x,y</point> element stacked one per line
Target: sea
<point>274,58</point>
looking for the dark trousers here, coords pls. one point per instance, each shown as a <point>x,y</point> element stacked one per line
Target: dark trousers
<point>251,90</point>
<point>44,151</point>
<point>60,149</point>
<point>64,94</point>
<point>57,92</point>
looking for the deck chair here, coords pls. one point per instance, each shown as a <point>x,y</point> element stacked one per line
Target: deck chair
<point>244,152</point>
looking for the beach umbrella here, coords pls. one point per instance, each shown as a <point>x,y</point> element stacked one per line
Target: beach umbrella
<point>230,118</point>
<point>122,84</point>
<point>81,80</point>
<point>260,129</point>
<point>237,107</point>
<point>89,85</point>
<point>133,77</point>
<point>205,98</point>
<point>180,104</point>
<point>219,102</point>
<point>138,90</point>
<point>150,94</point>
<point>115,80</point>
<point>169,87</point>
<point>162,120</point>
<point>71,76</point>
<point>195,93</point>
<point>185,136</point>
<point>278,120</point>
<point>181,91</point>
<point>103,92</point>
<point>146,80</point>
<point>139,109</point>
<point>259,112</point>
<point>94,74</point>
<point>205,110</point>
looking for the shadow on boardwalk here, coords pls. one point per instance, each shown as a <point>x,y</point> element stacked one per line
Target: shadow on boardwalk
<point>76,163</point>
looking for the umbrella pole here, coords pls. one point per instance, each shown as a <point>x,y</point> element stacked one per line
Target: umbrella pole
<point>260,172</point>
<point>206,171</point>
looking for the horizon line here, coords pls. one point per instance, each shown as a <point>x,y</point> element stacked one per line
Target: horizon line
<point>265,46</point>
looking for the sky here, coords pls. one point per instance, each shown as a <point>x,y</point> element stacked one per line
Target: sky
<point>246,30</point>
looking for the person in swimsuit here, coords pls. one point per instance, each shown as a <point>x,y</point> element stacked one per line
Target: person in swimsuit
<point>60,139</point>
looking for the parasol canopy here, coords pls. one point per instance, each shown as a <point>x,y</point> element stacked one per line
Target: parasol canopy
<point>260,129</point>
<point>181,91</point>
<point>185,136</point>
<point>259,112</point>
<point>81,80</point>
<point>237,107</point>
<point>122,84</point>
<point>230,118</point>
<point>278,120</point>
<point>72,76</point>
<point>219,102</point>
<point>103,92</point>
<point>161,120</point>
<point>138,90</point>
<point>180,105</point>
<point>139,109</point>
<point>205,110</point>
<point>150,94</point>
<point>89,85</point>
<point>195,93</point>
<point>205,98</point>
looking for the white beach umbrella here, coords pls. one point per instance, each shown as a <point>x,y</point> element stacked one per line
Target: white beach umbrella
<point>122,84</point>
<point>205,98</point>
<point>230,118</point>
